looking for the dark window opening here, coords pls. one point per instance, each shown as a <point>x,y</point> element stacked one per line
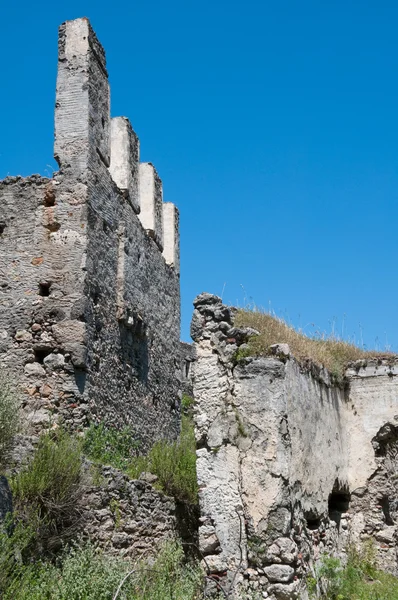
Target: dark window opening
<point>338,502</point>
<point>2,227</point>
<point>44,288</point>
<point>41,353</point>
<point>385,507</point>
<point>313,520</point>
<point>187,368</point>
<point>313,524</point>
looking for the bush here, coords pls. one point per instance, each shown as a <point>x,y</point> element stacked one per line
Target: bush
<point>85,573</point>
<point>110,446</point>
<point>9,417</point>
<point>174,463</point>
<point>46,491</point>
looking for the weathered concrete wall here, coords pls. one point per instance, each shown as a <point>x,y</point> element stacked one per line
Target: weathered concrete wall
<point>91,309</point>
<point>285,459</point>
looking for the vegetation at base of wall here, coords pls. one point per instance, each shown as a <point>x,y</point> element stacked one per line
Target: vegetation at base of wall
<point>359,579</point>
<point>45,492</point>
<point>329,351</point>
<point>84,572</point>
<point>174,463</point>
<point>9,421</point>
<point>110,446</point>
<point>187,403</point>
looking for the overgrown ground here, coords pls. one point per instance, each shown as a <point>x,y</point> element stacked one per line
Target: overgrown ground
<point>329,351</point>
<point>359,579</point>
<point>42,556</point>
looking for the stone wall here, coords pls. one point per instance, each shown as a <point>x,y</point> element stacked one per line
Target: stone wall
<point>89,296</point>
<point>128,518</point>
<point>188,357</point>
<point>289,466</point>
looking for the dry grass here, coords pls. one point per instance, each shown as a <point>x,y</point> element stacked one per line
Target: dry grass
<point>329,351</point>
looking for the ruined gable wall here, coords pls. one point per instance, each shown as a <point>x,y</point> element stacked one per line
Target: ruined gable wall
<point>100,338</point>
<point>281,453</point>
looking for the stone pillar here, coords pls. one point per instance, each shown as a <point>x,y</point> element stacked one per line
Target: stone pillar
<point>125,156</point>
<point>82,119</point>
<point>151,195</point>
<point>171,236</point>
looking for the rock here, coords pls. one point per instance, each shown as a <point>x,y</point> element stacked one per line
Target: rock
<point>39,417</point>
<point>280,349</point>
<point>282,550</point>
<point>284,592</point>
<point>197,325</point>
<point>386,535</point>
<point>208,540</point>
<point>148,477</point>
<point>23,336</point>
<point>34,369</point>
<point>205,299</point>
<point>54,361</point>
<point>279,573</point>
<point>242,334</point>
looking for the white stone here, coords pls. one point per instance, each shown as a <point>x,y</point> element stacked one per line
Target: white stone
<point>124,159</point>
<point>34,369</point>
<point>151,198</point>
<point>279,573</point>
<point>171,236</point>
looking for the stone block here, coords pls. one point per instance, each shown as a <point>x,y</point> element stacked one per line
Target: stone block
<point>171,236</point>
<point>125,156</point>
<point>151,198</point>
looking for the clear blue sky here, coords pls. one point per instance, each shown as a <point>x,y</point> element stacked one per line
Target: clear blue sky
<point>273,126</point>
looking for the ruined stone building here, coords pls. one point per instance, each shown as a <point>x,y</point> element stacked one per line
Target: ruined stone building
<point>89,267</point>
<point>289,465</point>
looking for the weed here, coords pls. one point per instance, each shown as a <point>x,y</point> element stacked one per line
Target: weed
<point>9,416</point>
<point>241,427</point>
<point>114,506</point>
<point>187,403</point>
<point>174,463</point>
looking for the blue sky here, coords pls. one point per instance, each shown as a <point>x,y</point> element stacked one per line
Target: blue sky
<point>274,128</point>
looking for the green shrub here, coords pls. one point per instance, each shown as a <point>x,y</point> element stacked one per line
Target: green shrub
<point>187,403</point>
<point>174,463</point>
<point>54,474</point>
<point>110,446</point>
<point>47,490</point>
<point>9,416</point>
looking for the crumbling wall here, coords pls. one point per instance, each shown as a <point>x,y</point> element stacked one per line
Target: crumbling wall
<point>286,462</point>
<point>90,268</point>
<point>128,518</point>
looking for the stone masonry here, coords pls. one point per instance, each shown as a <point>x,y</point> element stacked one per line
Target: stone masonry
<point>289,466</point>
<point>89,268</point>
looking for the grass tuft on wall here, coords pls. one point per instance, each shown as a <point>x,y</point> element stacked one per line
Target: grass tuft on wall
<point>328,351</point>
